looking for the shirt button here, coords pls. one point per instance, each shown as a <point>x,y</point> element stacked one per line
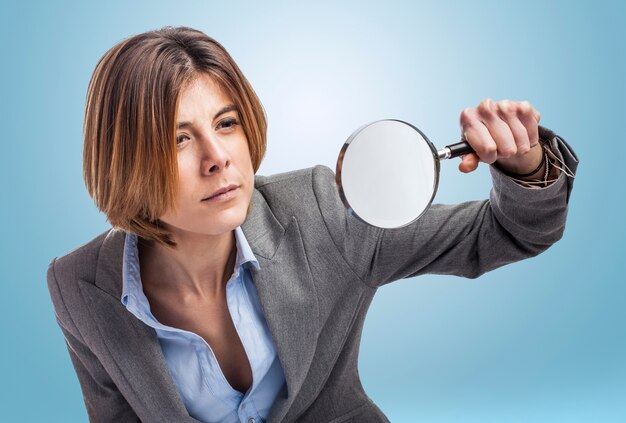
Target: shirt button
<point>251,420</point>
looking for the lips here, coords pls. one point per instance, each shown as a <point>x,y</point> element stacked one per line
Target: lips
<point>221,191</point>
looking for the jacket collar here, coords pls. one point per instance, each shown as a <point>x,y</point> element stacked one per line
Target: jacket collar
<point>286,292</point>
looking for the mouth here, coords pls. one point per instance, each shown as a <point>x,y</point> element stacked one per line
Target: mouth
<point>224,193</point>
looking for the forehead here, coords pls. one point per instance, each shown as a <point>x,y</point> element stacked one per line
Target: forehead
<point>201,96</point>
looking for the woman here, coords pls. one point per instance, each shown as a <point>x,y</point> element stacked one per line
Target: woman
<point>222,296</point>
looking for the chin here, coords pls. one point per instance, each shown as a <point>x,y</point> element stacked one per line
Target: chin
<point>215,223</point>
<point>227,221</point>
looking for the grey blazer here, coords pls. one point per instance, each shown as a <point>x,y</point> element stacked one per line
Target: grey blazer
<point>319,270</point>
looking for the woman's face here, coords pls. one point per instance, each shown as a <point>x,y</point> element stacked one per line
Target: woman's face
<point>213,153</point>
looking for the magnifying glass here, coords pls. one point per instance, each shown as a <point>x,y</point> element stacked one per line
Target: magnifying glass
<point>388,172</point>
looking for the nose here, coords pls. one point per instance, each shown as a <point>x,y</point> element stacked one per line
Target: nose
<point>215,157</point>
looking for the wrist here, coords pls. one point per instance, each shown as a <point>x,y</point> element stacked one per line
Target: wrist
<point>529,166</point>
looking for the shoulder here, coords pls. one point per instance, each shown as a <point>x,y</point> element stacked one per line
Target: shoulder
<point>300,176</point>
<point>65,271</point>
<point>84,256</point>
<point>303,181</point>
<point>298,191</point>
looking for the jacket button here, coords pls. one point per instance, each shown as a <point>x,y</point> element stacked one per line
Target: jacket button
<point>251,420</point>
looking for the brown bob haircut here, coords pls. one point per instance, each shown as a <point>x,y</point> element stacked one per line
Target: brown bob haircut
<point>130,162</point>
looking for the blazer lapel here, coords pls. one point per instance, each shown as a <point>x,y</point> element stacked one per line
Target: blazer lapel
<point>287,295</point>
<point>132,345</point>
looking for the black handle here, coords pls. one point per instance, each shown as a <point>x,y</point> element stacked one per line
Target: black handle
<point>459,149</point>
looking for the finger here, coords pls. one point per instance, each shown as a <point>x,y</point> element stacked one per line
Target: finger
<point>529,117</point>
<point>499,129</point>
<point>508,112</point>
<point>478,136</point>
<point>469,163</point>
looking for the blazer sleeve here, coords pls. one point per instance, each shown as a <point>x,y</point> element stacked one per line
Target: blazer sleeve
<point>466,239</point>
<point>103,400</point>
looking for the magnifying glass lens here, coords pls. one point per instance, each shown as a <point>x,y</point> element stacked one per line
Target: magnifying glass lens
<point>388,173</point>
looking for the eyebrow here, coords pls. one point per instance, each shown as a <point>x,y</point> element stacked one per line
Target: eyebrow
<point>223,110</point>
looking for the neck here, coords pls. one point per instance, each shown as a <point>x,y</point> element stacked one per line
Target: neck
<point>198,267</point>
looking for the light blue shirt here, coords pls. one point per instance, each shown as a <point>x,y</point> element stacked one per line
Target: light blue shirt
<point>192,364</point>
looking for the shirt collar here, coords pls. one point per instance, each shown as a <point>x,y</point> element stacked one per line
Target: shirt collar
<point>244,252</point>
<point>130,262</point>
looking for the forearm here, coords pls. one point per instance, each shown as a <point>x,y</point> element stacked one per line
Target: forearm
<point>562,164</point>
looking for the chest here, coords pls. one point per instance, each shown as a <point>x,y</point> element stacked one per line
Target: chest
<point>212,321</point>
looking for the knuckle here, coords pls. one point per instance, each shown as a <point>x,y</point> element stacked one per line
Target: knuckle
<point>466,116</point>
<point>525,107</point>
<point>506,107</point>
<point>508,151</point>
<point>489,150</point>
<point>485,106</point>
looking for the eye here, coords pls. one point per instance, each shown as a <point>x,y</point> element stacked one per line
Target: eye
<point>181,138</point>
<point>228,123</point>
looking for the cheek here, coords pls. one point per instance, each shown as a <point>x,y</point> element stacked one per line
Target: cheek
<point>185,180</point>
<point>185,162</point>
<point>245,153</point>
<point>249,174</point>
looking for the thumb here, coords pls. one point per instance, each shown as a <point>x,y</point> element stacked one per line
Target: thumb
<point>469,163</point>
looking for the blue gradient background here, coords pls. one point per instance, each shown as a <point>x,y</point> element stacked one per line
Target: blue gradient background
<point>543,340</point>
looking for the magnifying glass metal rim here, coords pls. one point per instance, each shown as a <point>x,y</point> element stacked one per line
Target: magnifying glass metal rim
<point>344,148</point>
